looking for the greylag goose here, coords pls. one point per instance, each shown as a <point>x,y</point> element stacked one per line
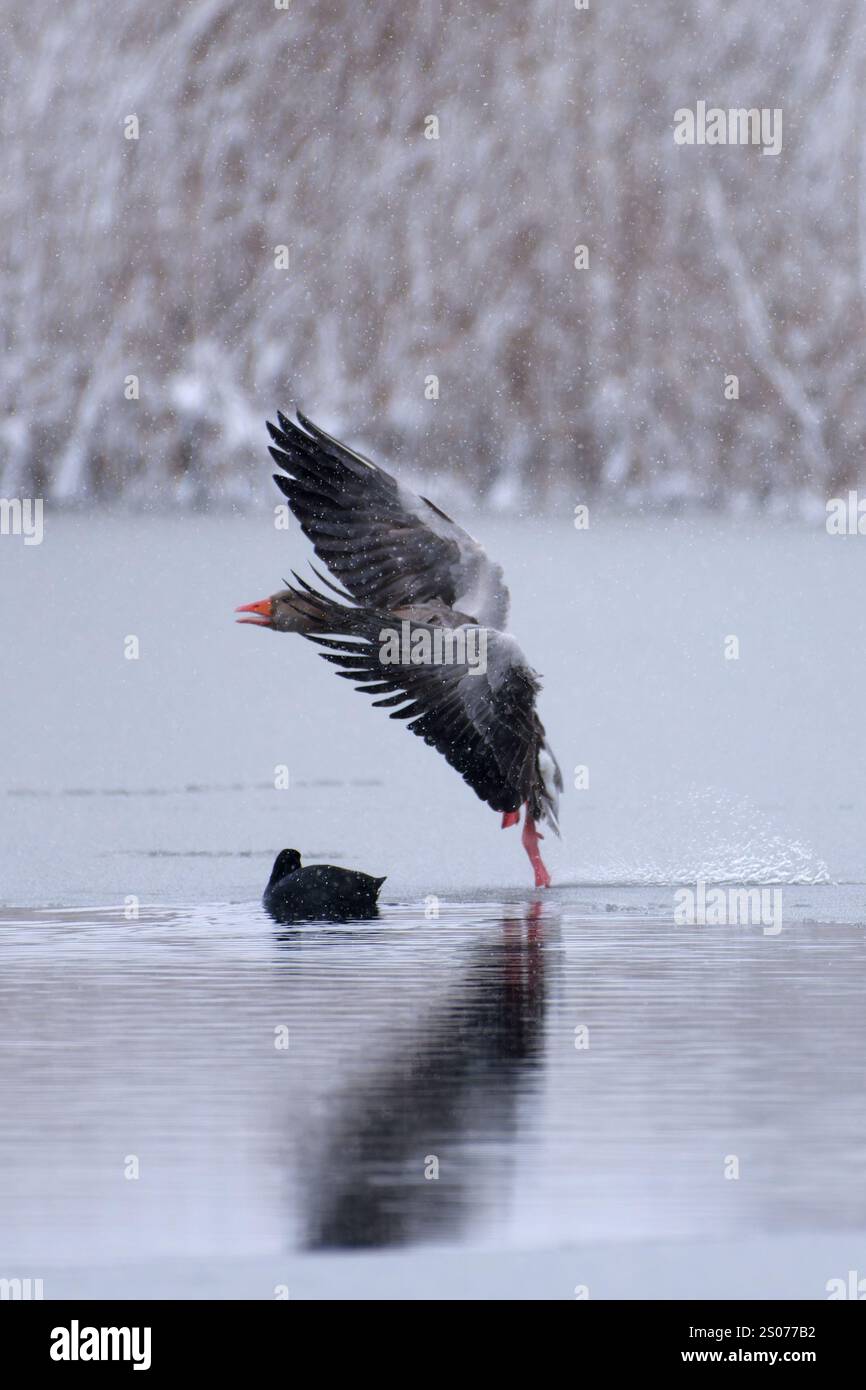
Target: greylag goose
<point>419,622</point>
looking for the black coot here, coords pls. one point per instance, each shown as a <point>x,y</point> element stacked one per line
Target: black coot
<point>321,891</point>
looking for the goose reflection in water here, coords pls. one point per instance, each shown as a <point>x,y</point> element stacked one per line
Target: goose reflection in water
<point>424,1141</point>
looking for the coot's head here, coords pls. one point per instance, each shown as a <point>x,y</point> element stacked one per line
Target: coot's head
<point>285,611</point>
<point>285,863</point>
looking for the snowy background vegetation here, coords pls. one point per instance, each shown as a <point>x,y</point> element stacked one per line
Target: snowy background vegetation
<point>411,257</point>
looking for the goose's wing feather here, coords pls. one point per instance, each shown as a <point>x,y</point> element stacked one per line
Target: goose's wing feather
<point>389,547</point>
<point>479,714</point>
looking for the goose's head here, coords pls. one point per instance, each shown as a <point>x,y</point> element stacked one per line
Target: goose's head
<point>285,611</point>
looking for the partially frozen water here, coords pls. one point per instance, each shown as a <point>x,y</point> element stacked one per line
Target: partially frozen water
<point>148,786</point>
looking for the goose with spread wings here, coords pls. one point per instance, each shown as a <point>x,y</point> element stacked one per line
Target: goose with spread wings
<point>417,618</point>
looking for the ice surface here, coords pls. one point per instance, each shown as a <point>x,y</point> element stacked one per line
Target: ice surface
<point>156,776</point>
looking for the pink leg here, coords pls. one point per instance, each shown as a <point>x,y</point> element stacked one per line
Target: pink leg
<point>531,838</point>
<point>510,818</point>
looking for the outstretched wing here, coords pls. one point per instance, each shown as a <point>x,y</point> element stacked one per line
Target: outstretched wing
<point>466,691</point>
<point>389,547</point>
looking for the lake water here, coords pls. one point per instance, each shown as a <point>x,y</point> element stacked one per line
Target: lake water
<point>487,1091</point>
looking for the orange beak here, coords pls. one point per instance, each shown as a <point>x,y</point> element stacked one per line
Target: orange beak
<point>262,609</point>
